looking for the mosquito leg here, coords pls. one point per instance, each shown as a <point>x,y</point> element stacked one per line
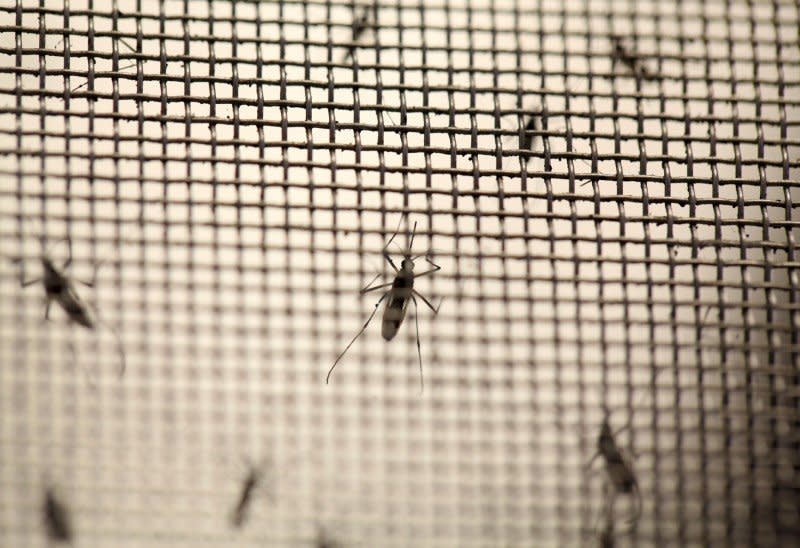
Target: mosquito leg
<point>419,350</point>
<point>637,511</point>
<point>436,267</point>
<point>26,283</point>
<point>367,287</point>
<point>591,461</point>
<point>382,286</point>
<point>427,302</point>
<point>117,338</point>
<point>328,377</point>
<point>95,270</point>
<point>120,349</point>
<point>427,272</point>
<point>391,262</point>
<point>47,309</point>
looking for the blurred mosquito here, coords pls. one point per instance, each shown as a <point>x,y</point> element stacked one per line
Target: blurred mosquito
<point>249,486</point>
<point>620,471</point>
<point>607,535</point>
<point>400,293</point>
<point>57,522</point>
<point>360,24</point>
<point>324,540</point>
<point>622,54</point>
<point>59,287</point>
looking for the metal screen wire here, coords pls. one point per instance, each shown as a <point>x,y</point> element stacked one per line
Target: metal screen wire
<point>235,175</point>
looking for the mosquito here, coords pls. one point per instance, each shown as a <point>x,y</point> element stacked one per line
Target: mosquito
<point>625,56</point>
<point>324,540</point>
<point>60,287</point>
<point>609,533</point>
<point>359,26</point>
<point>619,469</point>
<point>249,486</point>
<point>57,521</point>
<point>400,292</point>
<point>532,127</point>
<point>606,537</point>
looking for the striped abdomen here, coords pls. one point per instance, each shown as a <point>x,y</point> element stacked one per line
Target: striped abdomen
<point>395,310</point>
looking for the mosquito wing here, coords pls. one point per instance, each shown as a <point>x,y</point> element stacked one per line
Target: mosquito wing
<point>77,310</point>
<point>395,311</point>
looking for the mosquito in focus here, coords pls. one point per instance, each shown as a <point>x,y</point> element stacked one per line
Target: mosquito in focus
<point>249,486</point>
<point>620,471</point>
<point>400,292</point>
<point>359,26</point>
<point>531,132</point>
<point>630,59</point>
<point>59,287</point>
<point>528,136</point>
<point>57,521</point>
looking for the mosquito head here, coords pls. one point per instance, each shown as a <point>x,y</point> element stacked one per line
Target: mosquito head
<point>53,279</point>
<point>407,265</point>
<point>605,441</point>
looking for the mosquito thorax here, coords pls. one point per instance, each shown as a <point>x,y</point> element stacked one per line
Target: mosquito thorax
<point>606,439</point>
<point>53,280</point>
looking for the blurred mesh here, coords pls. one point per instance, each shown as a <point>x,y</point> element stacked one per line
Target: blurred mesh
<point>236,178</point>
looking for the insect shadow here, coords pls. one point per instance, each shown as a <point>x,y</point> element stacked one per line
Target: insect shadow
<point>60,287</point>
<point>56,517</point>
<point>620,475</point>
<point>253,481</point>
<point>401,291</point>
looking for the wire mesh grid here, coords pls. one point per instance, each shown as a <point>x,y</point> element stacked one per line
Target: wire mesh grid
<point>236,169</point>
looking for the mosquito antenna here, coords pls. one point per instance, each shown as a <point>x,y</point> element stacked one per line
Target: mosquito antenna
<point>396,230</point>
<point>419,351</point>
<point>413,233</point>
<point>374,310</point>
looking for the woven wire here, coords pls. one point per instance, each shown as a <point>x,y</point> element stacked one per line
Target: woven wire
<point>237,176</point>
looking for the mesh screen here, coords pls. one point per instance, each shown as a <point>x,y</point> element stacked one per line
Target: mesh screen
<point>236,168</point>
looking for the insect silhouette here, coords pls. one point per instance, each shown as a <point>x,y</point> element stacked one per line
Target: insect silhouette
<point>619,470</point>
<point>360,24</point>
<point>530,132</point>
<point>251,483</point>
<point>625,56</point>
<point>401,291</point>
<point>60,287</point>
<point>57,522</point>
<point>607,536</point>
